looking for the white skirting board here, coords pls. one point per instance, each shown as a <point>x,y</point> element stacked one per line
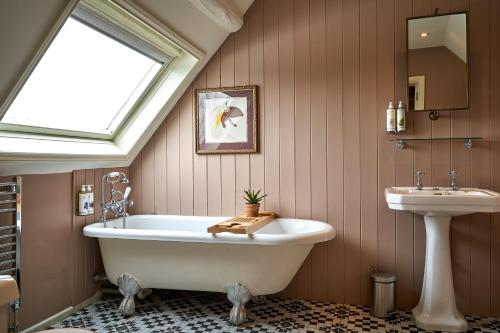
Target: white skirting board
<point>44,324</point>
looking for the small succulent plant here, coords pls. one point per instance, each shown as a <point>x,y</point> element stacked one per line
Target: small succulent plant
<point>252,197</point>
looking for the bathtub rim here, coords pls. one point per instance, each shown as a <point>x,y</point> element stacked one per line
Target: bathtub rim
<point>96,230</point>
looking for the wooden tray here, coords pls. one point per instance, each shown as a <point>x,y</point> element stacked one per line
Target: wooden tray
<point>242,224</point>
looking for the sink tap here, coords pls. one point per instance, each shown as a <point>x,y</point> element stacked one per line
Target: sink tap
<point>453,175</point>
<point>420,184</point>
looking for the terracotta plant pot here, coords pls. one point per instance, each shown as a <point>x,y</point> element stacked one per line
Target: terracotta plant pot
<point>252,210</point>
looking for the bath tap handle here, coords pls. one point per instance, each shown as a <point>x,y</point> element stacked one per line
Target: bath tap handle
<point>127,192</point>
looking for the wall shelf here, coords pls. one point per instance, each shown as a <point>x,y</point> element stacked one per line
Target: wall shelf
<point>468,141</point>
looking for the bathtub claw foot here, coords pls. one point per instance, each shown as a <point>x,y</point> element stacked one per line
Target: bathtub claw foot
<point>128,287</point>
<point>239,295</point>
<point>143,293</point>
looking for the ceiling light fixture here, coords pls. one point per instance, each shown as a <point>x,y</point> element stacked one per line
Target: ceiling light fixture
<point>424,34</point>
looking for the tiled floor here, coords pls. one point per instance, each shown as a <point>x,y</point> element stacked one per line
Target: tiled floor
<point>193,312</point>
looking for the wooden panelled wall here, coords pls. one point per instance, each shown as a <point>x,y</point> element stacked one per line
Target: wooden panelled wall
<point>58,263</point>
<point>87,256</point>
<point>326,70</point>
<point>46,266</point>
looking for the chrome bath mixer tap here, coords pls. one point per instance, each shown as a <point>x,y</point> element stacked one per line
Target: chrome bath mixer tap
<point>119,200</point>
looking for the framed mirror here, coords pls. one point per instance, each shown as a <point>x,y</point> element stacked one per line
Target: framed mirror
<point>438,62</point>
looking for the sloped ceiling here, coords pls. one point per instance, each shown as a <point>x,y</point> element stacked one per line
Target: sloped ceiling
<point>449,31</point>
<point>25,24</point>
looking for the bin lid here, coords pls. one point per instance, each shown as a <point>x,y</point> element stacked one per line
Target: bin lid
<point>383,277</point>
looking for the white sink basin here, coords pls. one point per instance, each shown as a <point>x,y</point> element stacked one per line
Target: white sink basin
<point>437,309</point>
<point>442,200</point>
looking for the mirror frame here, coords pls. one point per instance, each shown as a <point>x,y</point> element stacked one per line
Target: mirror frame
<point>467,34</point>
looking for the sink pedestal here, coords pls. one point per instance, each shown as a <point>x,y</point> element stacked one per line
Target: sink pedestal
<point>437,309</point>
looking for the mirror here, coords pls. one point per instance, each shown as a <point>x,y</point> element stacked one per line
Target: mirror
<point>437,60</point>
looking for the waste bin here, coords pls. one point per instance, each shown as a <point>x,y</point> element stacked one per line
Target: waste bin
<point>383,293</point>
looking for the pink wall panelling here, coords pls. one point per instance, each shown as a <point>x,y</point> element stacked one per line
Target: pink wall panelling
<point>326,70</point>
<point>58,263</point>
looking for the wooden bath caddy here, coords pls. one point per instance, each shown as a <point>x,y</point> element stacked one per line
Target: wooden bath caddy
<point>243,224</point>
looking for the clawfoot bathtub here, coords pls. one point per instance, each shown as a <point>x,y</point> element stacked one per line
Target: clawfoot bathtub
<point>176,252</point>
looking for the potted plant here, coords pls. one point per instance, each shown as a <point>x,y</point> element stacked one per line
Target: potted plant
<point>253,200</point>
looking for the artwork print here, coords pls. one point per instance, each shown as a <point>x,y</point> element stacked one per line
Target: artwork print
<point>225,120</point>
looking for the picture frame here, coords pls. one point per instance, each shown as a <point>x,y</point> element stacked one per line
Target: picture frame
<point>225,120</point>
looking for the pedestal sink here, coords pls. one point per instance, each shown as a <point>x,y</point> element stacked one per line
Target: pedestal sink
<point>437,309</point>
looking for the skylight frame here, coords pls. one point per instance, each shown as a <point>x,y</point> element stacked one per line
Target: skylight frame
<point>135,33</point>
<point>35,153</point>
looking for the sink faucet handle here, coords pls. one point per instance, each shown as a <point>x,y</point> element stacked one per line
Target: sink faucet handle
<point>420,176</point>
<point>453,175</point>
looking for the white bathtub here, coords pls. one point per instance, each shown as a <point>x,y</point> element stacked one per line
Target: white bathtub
<point>176,252</point>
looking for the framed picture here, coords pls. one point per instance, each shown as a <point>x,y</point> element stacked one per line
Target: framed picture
<point>226,120</point>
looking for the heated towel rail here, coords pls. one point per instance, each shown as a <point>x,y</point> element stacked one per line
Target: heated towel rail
<point>10,235</point>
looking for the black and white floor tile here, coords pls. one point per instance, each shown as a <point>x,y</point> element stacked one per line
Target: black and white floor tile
<point>197,312</point>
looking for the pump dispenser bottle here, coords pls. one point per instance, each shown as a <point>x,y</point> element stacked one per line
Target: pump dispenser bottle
<point>82,201</point>
<point>401,117</point>
<point>391,119</point>
<point>90,200</point>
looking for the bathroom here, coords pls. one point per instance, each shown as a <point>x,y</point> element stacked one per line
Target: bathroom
<point>319,76</point>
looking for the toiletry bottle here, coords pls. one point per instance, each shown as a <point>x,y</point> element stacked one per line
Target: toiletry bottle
<point>82,201</point>
<point>391,119</point>
<point>90,200</point>
<point>401,117</point>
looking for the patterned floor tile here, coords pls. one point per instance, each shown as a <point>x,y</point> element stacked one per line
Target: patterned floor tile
<point>197,312</point>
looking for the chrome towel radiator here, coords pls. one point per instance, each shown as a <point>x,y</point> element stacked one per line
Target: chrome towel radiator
<point>10,236</point>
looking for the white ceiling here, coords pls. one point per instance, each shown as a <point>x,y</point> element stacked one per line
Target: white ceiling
<point>449,31</point>
<point>189,22</point>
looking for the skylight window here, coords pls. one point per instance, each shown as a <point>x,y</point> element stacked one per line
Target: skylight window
<point>88,81</point>
<point>102,80</point>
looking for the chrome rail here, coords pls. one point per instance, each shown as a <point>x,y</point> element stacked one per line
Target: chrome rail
<point>7,236</point>
<point>7,201</point>
<point>6,245</point>
<point>10,242</point>
<point>6,254</point>
<point>7,262</point>
<point>5,271</point>
<point>7,227</point>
